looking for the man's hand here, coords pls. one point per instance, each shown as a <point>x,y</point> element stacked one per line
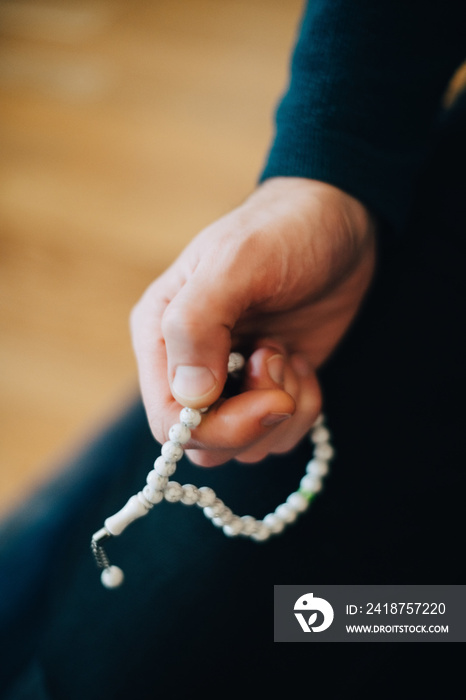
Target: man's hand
<point>279,278</point>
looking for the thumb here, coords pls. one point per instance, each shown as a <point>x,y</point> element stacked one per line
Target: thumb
<point>196,328</point>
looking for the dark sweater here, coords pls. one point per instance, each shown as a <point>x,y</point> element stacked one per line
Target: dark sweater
<point>366,86</point>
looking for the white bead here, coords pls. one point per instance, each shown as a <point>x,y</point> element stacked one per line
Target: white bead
<point>317,467</point>
<point>250,525</point>
<point>298,502</point>
<point>133,510</point>
<point>112,577</point>
<point>215,510</point>
<point>145,501</point>
<point>320,434</point>
<point>235,362</point>
<point>153,495</point>
<point>164,468</point>
<point>273,523</point>
<point>324,451</point>
<point>263,533</point>
<point>310,483</point>
<point>286,513</point>
<point>225,517</point>
<point>234,527</point>
<point>179,433</point>
<point>319,420</point>
<point>204,410</point>
<point>207,496</point>
<point>171,452</point>
<point>190,494</point>
<point>155,481</point>
<point>190,417</point>
<point>173,492</point>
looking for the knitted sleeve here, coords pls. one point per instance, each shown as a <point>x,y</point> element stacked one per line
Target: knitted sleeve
<point>366,84</point>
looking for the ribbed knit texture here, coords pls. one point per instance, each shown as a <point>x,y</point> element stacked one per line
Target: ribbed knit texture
<point>366,84</point>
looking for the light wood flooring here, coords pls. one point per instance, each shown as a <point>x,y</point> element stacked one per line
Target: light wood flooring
<point>125,128</point>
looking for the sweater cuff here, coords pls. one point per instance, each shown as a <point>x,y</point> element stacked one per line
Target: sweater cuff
<point>382,182</point>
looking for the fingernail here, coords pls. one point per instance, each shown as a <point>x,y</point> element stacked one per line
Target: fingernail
<point>193,382</point>
<point>274,418</point>
<point>301,365</point>
<point>276,368</point>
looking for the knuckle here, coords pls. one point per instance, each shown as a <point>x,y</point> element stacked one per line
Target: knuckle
<point>177,320</point>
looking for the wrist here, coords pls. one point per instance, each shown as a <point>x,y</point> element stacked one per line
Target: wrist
<point>339,228</point>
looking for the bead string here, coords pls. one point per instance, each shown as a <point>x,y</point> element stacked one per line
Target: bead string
<point>158,488</point>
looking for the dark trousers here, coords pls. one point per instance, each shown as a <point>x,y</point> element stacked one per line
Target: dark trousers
<point>195,610</point>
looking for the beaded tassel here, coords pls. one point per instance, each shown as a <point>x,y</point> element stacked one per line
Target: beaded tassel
<point>159,487</point>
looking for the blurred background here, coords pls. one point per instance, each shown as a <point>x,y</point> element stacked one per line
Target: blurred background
<point>125,128</point>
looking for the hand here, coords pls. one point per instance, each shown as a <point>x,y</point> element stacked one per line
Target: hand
<point>280,278</point>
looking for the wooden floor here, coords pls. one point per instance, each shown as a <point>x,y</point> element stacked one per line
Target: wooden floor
<point>125,128</point>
